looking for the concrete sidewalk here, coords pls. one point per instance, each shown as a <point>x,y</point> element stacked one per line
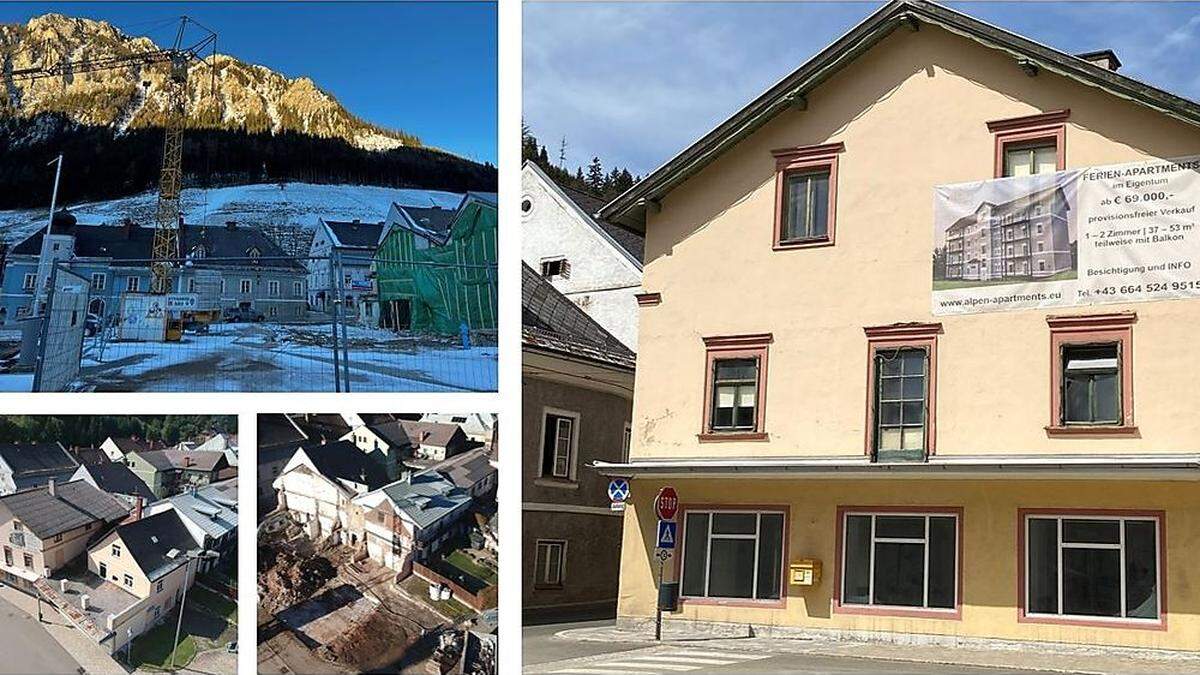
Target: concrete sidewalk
<point>89,655</point>
<point>1046,657</point>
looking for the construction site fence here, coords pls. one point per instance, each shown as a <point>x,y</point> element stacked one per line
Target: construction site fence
<point>252,323</point>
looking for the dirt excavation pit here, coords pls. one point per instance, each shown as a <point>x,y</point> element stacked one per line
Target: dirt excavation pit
<point>372,642</point>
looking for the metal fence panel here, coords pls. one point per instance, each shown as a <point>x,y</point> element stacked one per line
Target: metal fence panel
<point>63,329</point>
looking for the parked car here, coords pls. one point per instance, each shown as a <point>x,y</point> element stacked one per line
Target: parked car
<point>243,315</point>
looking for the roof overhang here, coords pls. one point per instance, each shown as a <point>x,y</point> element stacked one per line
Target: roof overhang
<point>1160,466</point>
<point>594,374</point>
<point>629,208</point>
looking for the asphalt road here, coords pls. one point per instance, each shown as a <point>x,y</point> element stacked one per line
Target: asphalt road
<point>545,653</point>
<point>27,648</point>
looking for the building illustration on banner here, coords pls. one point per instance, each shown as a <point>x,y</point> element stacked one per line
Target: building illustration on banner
<point>1006,240</point>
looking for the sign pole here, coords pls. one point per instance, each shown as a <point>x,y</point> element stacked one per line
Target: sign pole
<point>658,605</point>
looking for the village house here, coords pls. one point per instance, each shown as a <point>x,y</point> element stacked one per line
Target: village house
<point>435,441</point>
<point>474,471</point>
<point>117,480</point>
<point>172,470</point>
<point>147,560</point>
<point>210,515</point>
<point>848,462</point>
<point>24,465</point>
<point>409,520</point>
<point>478,427</point>
<point>385,443</point>
<point>595,263</point>
<point>347,246</point>
<point>409,229</point>
<point>44,528</point>
<point>318,484</point>
<point>117,448</point>
<point>441,283</point>
<point>228,266</point>
<point>577,388</point>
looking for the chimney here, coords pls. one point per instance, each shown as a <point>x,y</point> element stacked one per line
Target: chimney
<point>50,488</point>
<point>1105,58</point>
<point>231,224</point>
<point>83,602</point>
<point>137,510</point>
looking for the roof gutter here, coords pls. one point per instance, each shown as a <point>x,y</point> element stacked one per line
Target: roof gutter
<point>1144,466</point>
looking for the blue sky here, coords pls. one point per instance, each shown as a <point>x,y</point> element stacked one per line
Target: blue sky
<point>637,83</point>
<point>425,67</point>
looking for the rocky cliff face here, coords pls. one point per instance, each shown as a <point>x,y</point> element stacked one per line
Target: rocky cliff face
<point>246,97</point>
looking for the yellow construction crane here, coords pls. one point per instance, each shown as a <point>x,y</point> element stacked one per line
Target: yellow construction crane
<point>179,56</point>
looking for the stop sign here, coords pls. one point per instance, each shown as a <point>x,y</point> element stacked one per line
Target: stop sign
<point>666,504</point>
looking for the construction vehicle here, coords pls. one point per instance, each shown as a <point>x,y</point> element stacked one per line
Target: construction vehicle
<point>168,213</point>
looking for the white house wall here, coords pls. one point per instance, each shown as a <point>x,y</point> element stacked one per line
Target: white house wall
<point>602,281</point>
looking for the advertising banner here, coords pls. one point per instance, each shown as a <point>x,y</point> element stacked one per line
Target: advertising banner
<point>143,317</point>
<point>1105,234</point>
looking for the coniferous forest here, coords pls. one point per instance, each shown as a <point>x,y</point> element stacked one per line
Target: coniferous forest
<point>102,163</point>
<point>91,430</point>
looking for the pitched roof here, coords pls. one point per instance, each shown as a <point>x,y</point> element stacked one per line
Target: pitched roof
<point>29,460</point>
<point>343,460</point>
<point>90,456</point>
<point>155,458</point>
<point>552,322</point>
<point>128,445</point>
<point>354,234</point>
<point>426,497</point>
<point>468,468</point>
<point>434,220</point>
<point>275,429</point>
<point>177,458</point>
<point>630,207</point>
<point>115,478</point>
<point>430,433</point>
<point>212,508</point>
<point>131,245</point>
<point>632,243</point>
<point>152,539</point>
<point>73,504</point>
<point>394,432</point>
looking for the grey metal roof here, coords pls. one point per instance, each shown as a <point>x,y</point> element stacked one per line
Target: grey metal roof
<point>117,479</point>
<point>435,219</point>
<point>73,504</point>
<point>427,497</point>
<point>354,234</point>
<point>212,508</point>
<point>152,539</point>
<point>629,207</point>
<point>192,460</point>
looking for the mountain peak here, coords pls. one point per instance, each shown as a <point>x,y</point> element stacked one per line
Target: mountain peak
<point>247,97</point>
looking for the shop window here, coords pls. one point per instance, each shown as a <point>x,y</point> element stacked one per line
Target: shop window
<point>1029,145</point>
<point>1103,566</point>
<point>893,560</point>
<point>734,405</point>
<point>550,564</point>
<point>902,377</point>
<point>1091,372</point>
<point>729,554</point>
<point>806,195</point>
<point>560,436</point>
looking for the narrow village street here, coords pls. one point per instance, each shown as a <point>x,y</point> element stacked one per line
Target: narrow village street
<point>28,647</point>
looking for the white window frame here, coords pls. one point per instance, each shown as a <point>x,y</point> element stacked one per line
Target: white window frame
<point>540,579</point>
<point>99,281</point>
<point>115,551</point>
<point>682,544</point>
<point>245,286</point>
<point>273,288</point>
<point>572,457</point>
<point>102,568</point>
<point>29,282</point>
<point>1120,546</point>
<point>297,288</point>
<point>128,580</point>
<point>924,607</point>
<point>192,285</point>
<point>133,284</point>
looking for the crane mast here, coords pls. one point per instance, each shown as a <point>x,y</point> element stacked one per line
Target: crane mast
<point>165,248</point>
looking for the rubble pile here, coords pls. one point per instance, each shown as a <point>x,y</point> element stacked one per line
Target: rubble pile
<point>286,578</point>
<point>373,643</point>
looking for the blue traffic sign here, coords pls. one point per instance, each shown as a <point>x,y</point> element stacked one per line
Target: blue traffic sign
<point>618,489</point>
<point>666,534</point>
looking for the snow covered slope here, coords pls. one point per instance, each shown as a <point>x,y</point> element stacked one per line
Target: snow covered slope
<point>254,205</point>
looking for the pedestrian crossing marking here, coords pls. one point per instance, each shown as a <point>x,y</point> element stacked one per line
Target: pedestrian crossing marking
<point>654,660</point>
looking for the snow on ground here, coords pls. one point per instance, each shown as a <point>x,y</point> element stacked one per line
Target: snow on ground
<point>266,357</point>
<point>258,205</point>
